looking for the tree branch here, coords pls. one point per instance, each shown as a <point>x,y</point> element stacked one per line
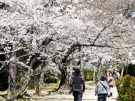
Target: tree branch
<point>3,53</point>
<point>24,65</point>
<point>106,26</point>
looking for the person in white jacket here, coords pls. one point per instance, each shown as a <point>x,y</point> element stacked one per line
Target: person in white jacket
<point>102,89</point>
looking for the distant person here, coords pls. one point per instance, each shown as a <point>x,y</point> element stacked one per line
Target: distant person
<point>117,74</point>
<point>102,89</point>
<point>78,85</point>
<point>110,81</point>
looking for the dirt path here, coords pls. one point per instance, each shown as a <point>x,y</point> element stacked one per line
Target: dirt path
<point>88,95</point>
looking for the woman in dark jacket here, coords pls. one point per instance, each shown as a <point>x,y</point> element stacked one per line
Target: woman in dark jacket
<point>78,85</point>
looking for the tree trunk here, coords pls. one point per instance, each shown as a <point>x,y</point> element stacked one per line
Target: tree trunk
<point>12,81</point>
<point>41,79</point>
<point>122,71</point>
<point>64,79</point>
<point>94,75</point>
<point>99,69</point>
<point>12,76</point>
<point>25,81</point>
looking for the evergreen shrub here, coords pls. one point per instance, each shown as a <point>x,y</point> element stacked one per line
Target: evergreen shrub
<point>50,77</point>
<point>88,74</point>
<point>130,69</point>
<point>103,70</point>
<point>126,88</point>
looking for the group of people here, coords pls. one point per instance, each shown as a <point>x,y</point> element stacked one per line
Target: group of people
<point>103,87</point>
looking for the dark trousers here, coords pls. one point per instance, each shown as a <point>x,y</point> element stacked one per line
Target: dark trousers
<point>102,97</point>
<point>78,95</point>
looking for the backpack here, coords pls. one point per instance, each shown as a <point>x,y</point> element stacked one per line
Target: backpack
<point>78,83</point>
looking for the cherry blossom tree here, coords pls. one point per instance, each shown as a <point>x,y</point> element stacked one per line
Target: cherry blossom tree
<point>40,33</point>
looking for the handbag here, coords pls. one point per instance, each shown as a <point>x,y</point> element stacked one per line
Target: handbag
<point>111,84</point>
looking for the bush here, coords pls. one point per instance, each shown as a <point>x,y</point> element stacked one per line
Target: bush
<point>88,74</point>
<point>130,69</point>
<point>126,88</point>
<point>50,77</point>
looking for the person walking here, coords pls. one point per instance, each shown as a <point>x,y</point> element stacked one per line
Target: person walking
<point>78,85</point>
<point>110,81</point>
<point>117,74</point>
<point>102,89</point>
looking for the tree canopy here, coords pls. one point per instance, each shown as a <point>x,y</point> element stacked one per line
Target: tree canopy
<point>52,33</point>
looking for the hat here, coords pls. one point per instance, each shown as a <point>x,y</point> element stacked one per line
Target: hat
<point>103,78</point>
<point>77,71</point>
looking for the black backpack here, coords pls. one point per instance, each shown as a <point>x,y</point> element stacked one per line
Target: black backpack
<point>78,83</point>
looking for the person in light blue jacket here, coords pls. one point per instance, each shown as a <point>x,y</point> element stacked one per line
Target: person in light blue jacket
<point>102,89</point>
